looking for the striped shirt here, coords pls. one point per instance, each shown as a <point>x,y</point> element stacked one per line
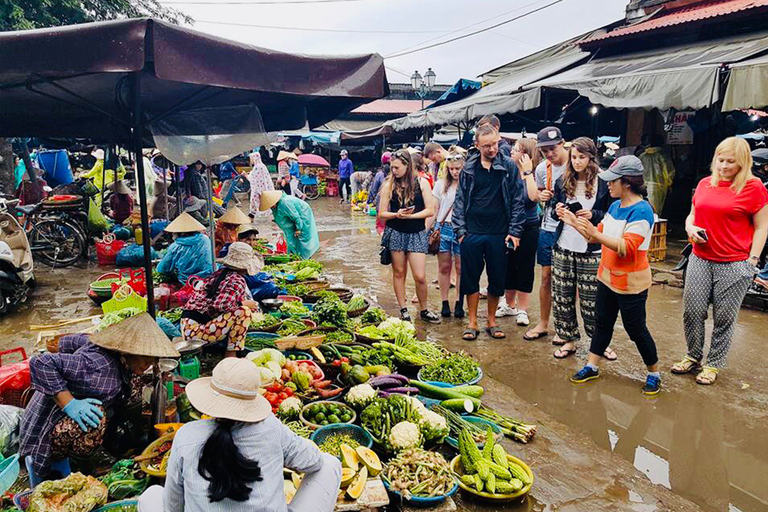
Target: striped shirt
<point>627,270</point>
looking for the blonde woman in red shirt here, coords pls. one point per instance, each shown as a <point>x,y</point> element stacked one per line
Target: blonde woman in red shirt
<point>727,226</point>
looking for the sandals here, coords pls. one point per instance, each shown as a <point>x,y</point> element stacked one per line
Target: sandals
<point>535,336</point>
<point>558,341</point>
<point>470,334</point>
<point>687,365</point>
<point>707,376</point>
<point>564,353</point>
<point>495,332</point>
<point>610,355</point>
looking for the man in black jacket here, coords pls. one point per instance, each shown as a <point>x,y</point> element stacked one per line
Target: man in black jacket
<point>488,217</point>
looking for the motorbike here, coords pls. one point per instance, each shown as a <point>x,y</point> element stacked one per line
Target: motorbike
<point>16,265</point>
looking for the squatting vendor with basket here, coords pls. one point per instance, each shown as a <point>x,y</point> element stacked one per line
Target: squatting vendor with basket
<point>75,388</point>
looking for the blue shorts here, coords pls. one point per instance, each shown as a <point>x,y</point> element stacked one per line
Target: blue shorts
<point>546,244</point>
<point>448,241</point>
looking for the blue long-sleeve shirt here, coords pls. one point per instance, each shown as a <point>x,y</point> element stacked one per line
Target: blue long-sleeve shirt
<point>345,168</point>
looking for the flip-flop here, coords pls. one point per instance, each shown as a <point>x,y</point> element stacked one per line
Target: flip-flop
<point>615,357</point>
<point>568,353</point>
<point>536,336</point>
<point>494,331</point>
<point>470,334</point>
<point>558,342</point>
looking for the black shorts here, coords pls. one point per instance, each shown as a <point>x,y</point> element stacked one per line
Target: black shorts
<point>479,252</point>
<point>522,262</point>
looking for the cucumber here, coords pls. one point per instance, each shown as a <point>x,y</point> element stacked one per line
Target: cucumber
<point>439,393</point>
<point>461,405</point>
<point>473,391</point>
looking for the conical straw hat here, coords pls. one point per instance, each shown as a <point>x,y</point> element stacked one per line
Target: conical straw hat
<point>286,155</point>
<point>235,216</point>
<point>121,188</point>
<point>184,223</point>
<point>139,336</point>
<point>269,199</point>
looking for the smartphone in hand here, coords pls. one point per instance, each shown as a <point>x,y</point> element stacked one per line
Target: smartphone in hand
<point>575,207</point>
<point>703,234</point>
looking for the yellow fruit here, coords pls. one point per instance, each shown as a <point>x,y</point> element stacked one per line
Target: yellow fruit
<point>289,490</point>
<point>349,457</point>
<point>369,458</point>
<point>356,488</point>
<point>347,475</point>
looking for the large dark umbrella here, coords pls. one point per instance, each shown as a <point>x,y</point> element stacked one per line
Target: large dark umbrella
<point>116,81</point>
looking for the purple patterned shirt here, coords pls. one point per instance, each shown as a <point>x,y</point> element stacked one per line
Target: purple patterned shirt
<point>82,368</point>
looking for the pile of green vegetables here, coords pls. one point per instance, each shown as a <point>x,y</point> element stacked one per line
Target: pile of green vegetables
<point>332,444</point>
<point>291,326</point>
<point>259,322</point>
<point>297,290</point>
<point>125,480</point>
<point>419,473</point>
<point>294,308</point>
<point>340,337</point>
<point>117,317</point>
<point>330,310</point>
<point>373,316</point>
<point>357,302</point>
<point>299,429</point>
<point>454,368</point>
<point>172,315</point>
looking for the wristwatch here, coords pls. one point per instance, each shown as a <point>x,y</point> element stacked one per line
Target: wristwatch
<point>528,173</point>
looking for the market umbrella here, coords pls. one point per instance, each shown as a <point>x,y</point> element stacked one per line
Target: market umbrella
<point>314,160</point>
<point>126,81</point>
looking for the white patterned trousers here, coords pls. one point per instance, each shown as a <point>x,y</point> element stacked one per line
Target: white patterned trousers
<point>723,285</point>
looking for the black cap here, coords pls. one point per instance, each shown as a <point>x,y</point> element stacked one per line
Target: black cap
<point>549,136</point>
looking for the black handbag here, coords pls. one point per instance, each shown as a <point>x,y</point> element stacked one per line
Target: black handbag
<point>385,255</point>
<point>686,255</point>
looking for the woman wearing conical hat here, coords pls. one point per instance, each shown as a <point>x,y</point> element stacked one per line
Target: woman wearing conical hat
<point>190,253</point>
<point>75,386</point>
<point>226,227</point>
<point>120,202</point>
<point>297,220</point>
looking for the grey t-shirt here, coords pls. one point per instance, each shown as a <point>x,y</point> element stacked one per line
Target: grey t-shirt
<point>548,223</point>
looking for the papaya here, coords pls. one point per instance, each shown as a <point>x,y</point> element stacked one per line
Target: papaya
<point>369,459</point>
<point>347,475</point>
<point>358,375</point>
<point>349,457</point>
<point>356,488</point>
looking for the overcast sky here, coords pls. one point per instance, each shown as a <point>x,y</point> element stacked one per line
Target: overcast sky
<point>424,21</point>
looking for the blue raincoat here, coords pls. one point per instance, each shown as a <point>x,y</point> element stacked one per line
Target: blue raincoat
<point>292,214</point>
<point>188,256</point>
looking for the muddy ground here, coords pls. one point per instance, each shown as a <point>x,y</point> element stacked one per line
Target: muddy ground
<point>600,446</point>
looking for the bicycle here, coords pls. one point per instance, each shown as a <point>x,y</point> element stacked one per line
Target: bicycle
<point>55,239</point>
<point>308,186</point>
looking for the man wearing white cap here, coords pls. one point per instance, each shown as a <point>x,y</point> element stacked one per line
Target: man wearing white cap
<point>345,174</point>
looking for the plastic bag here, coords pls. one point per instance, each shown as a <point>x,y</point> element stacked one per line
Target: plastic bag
<point>170,330</point>
<point>96,220</point>
<point>10,417</point>
<point>133,256</point>
<point>262,287</point>
<point>121,232</point>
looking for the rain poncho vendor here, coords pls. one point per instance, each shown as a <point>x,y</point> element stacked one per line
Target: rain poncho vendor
<point>260,182</point>
<point>74,386</point>
<point>296,219</point>
<point>190,254</point>
<point>97,171</point>
<point>659,174</point>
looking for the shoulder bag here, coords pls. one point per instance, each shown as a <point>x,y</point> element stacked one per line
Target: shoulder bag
<point>434,236</point>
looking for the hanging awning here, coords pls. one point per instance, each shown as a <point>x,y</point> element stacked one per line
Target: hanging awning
<point>680,77</point>
<point>460,90</point>
<point>747,85</point>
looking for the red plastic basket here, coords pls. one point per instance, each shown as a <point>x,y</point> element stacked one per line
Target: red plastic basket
<point>15,379</point>
<point>107,249</point>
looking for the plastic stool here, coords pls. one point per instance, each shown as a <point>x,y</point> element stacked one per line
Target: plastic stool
<point>332,188</point>
<point>62,466</point>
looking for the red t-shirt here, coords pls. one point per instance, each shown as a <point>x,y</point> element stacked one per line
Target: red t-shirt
<point>727,217</point>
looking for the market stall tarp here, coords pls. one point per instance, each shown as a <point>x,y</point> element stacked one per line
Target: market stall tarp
<point>747,85</point>
<point>460,90</point>
<point>680,77</point>
<point>72,80</point>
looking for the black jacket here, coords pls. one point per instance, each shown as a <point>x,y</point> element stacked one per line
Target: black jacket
<point>603,200</point>
<point>512,188</point>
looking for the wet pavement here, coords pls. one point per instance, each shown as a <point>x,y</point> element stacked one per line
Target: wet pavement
<point>600,446</point>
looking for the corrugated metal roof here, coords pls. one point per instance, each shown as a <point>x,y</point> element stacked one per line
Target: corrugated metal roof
<point>698,12</point>
<point>385,106</point>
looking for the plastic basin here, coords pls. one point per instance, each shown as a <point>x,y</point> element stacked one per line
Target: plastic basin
<point>419,501</point>
<point>457,468</point>
<point>357,433</point>
<point>447,385</point>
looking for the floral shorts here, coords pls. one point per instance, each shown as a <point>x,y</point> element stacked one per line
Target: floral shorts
<point>232,326</point>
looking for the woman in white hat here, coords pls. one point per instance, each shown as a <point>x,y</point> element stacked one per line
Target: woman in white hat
<point>75,385</point>
<point>260,182</point>
<point>226,227</point>
<point>235,462</point>
<point>190,254</point>
<point>221,308</point>
<point>97,174</point>
<point>297,220</point>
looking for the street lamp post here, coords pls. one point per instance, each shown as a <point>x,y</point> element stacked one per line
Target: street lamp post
<point>423,86</point>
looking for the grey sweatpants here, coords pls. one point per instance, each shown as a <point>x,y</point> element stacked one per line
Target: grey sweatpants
<point>723,285</point>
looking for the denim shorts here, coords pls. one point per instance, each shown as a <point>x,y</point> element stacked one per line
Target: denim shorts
<point>448,241</point>
<point>546,244</point>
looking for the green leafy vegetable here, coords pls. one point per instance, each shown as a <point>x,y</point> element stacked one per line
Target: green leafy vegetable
<point>291,326</point>
<point>357,302</point>
<point>294,308</point>
<point>373,316</point>
<point>341,337</point>
<point>330,309</point>
<point>454,369</point>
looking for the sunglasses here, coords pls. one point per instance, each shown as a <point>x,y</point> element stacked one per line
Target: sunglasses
<point>454,157</point>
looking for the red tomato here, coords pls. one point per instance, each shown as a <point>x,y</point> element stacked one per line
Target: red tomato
<point>271,397</point>
<point>288,391</point>
<point>283,395</point>
<point>344,359</point>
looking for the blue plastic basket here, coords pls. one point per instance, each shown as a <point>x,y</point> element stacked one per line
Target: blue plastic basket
<point>117,504</point>
<point>422,502</point>
<point>480,422</point>
<point>9,472</point>
<point>358,433</point>
<point>446,385</point>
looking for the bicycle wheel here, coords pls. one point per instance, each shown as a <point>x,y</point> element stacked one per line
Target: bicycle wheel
<point>56,243</point>
<point>311,192</point>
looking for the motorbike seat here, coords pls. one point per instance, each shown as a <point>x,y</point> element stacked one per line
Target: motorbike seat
<point>28,208</point>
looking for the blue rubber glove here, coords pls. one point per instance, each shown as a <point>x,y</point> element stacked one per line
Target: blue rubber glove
<point>85,413</point>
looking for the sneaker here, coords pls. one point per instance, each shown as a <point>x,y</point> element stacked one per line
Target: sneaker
<point>446,311</point>
<point>522,318</point>
<point>429,316</point>
<point>585,374</point>
<point>458,311</point>
<point>504,310</point>
<point>652,385</point>
<point>404,315</point>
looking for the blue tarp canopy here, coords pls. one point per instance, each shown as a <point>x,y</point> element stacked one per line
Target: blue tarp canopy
<point>316,137</point>
<point>460,89</point>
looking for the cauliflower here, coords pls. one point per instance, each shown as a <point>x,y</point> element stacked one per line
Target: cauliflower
<point>405,435</point>
<point>434,427</point>
<point>289,409</point>
<point>360,396</point>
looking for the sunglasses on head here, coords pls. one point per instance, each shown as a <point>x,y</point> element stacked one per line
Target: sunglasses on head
<point>454,157</point>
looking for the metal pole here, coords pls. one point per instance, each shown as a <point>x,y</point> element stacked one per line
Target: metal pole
<point>104,176</point>
<point>211,218</point>
<point>165,191</point>
<point>178,189</point>
<point>138,131</point>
